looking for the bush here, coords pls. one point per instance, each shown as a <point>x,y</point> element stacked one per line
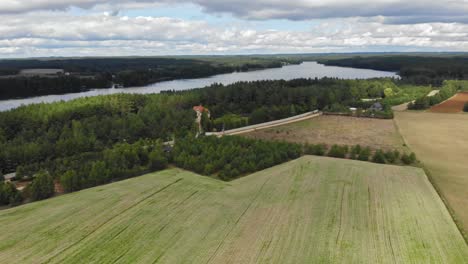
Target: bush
<point>42,186</point>
<point>390,156</point>
<point>355,151</point>
<point>364,154</point>
<point>338,151</point>
<point>9,194</point>
<point>157,160</point>
<point>379,157</point>
<point>317,150</point>
<point>408,159</point>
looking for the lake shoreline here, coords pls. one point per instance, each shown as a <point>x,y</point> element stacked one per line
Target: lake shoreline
<point>308,69</point>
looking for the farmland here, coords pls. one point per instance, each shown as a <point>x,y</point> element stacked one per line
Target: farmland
<point>441,143</point>
<point>375,133</point>
<point>452,105</point>
<point>310,210</point>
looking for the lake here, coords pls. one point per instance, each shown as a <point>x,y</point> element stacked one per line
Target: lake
<point>304,70</point>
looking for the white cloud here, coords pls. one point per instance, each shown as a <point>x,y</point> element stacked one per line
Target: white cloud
<point>61,34</point>
<point>394,11</point>
<point>48,28</point>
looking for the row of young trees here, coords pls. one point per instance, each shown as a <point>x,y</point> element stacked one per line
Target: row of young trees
<point>230,157</point>
<point>358,152</point>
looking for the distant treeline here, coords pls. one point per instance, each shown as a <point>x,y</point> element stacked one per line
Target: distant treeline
<point>413,69</point>
<point>83,74</point>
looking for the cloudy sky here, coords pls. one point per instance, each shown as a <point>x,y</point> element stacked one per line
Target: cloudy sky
<point>32,28</point>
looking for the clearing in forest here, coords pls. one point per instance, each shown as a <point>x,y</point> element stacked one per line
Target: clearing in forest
<point>452,105</point>
<point>310,210</point>
<point>341,130</point>
<point>440,141</point>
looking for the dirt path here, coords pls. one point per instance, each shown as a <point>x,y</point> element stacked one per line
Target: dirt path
<point>275,123</point>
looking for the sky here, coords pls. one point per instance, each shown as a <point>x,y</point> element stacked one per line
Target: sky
<point>44,28</point>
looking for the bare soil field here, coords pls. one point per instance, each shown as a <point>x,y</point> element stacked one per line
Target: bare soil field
<point>310,210</point>
<point>440,141</point>
<point>342,130</point>
<point>452,105</point>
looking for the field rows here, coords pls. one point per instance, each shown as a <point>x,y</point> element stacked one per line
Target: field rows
<point>311,210</point>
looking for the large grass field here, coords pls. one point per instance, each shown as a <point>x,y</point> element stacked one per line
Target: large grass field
<point>311,210</point>
<point>441,143</point>
<point>344,130</point>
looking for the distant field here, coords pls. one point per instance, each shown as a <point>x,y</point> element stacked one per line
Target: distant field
<point>441,143</point>
<point>452,105</point>
<point>311,210</point>
<point>343,130</point>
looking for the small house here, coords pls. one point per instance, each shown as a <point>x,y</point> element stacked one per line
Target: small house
<point>376,107</point>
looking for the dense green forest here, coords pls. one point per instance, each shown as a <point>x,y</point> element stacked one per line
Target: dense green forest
<point>48,131</point>
<point>421,70</point>
<point>230,157</point>
<point>91,141</point>
<point>83,74</point>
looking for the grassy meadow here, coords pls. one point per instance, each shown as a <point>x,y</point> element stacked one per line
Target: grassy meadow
<point>342,130</point>
<point>310,210</point>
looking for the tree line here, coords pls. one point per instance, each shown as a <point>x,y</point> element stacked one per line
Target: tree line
<point>101,73</point>
<point>419,70</point>
<point>227,158</point>
<point>449,89</point>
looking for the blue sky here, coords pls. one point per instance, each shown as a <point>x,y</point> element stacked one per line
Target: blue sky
<point>179,27</point>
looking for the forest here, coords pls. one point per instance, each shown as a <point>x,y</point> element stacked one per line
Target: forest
<point>95,73</point>
<point>91,141</point>
<point>419,70</point>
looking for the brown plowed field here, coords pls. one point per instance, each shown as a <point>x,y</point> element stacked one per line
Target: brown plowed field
<point>452,105</point>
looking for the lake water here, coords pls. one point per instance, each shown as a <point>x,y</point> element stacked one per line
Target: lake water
<point>304,70</point>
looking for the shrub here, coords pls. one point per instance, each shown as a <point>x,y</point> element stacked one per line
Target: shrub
<point>408,159</point>
<point>338,151</point>
<point>157,160</point>
<point>355,151</point>
<point>42,186</point>
<point>379,157</point>
<point>364,154</point>
<point>318,150</point>
<point>390,156</point>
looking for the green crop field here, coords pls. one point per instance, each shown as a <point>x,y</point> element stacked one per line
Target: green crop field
<point>311,210</point>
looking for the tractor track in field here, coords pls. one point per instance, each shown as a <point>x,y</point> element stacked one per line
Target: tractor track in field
<point>112,218</point>
<point>237,221</point>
